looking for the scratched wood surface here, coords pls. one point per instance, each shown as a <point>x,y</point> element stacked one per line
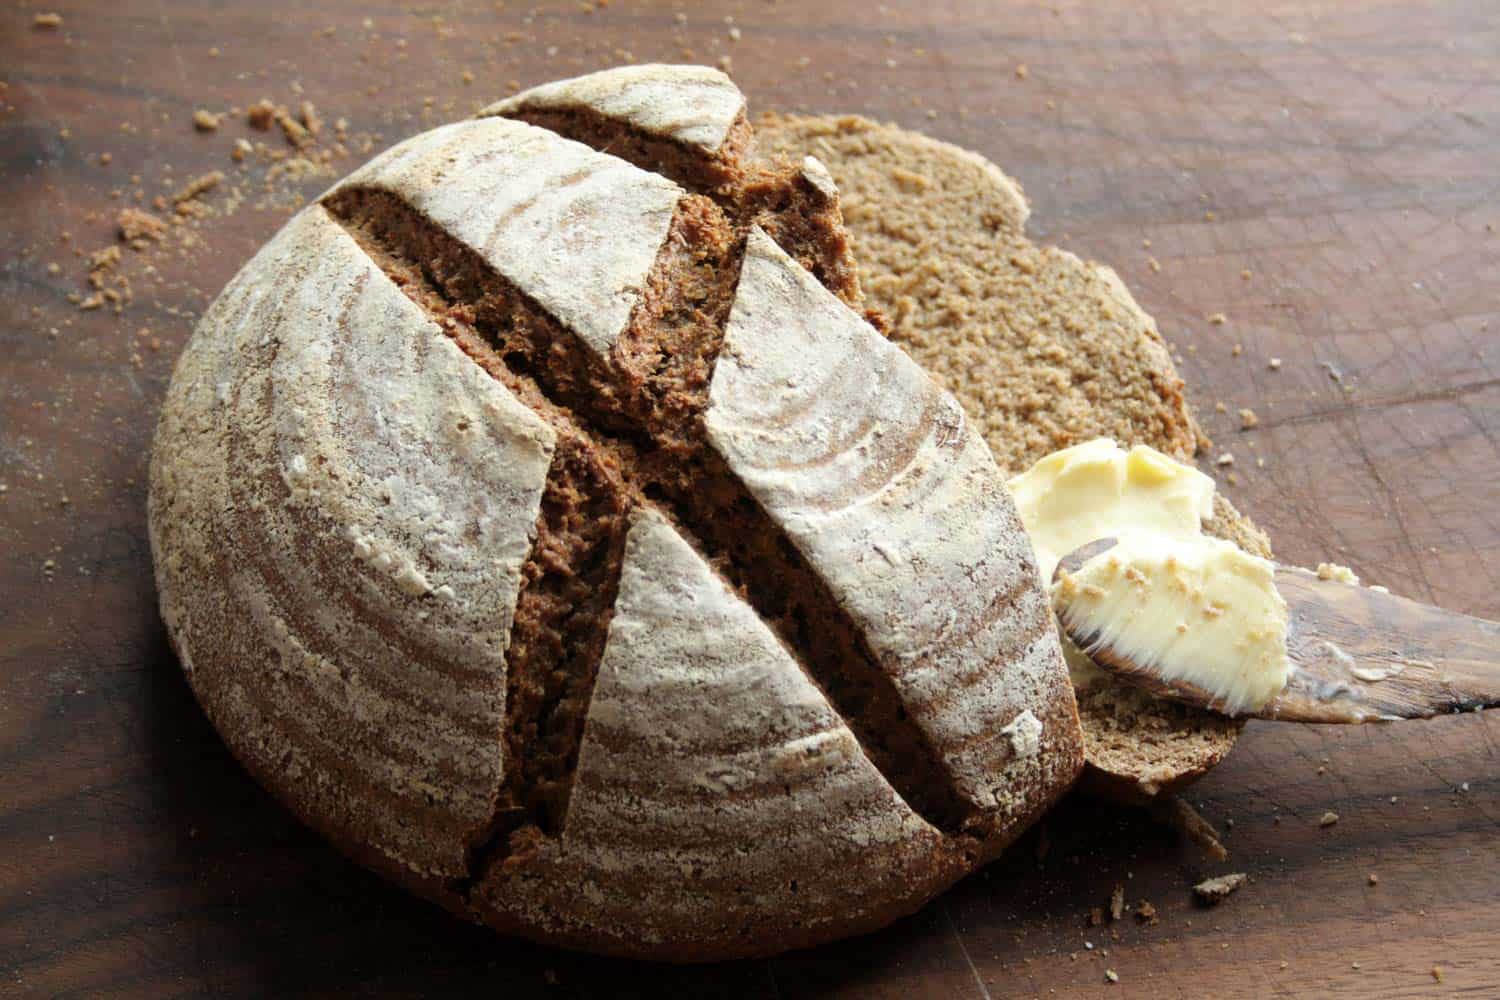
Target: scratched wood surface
<point>1323,174</point>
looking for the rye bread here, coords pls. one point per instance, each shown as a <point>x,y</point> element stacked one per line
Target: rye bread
<point>1043,349</point>
<point>548,528</point>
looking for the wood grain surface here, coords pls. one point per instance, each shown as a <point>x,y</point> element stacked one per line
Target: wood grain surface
<point>1323,175</point>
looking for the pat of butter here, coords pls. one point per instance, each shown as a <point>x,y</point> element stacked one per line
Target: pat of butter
<point>1100,490</point>
<point>1192,609</point>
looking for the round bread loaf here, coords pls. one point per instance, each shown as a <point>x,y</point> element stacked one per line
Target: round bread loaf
<point>538,517</point>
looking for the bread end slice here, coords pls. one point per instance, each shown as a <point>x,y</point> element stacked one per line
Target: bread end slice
<point>1043,349</point>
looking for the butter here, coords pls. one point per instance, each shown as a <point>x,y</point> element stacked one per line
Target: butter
<point>1099,490</point>
<point>1193,609</point>
<point>1333,571</point>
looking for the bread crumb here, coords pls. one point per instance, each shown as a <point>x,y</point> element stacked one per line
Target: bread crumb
<point>1437,974</point>
<point>1096,916</point>
<point>1221,407</point>
<point>1246,274</point>
<point>1225,459</point>
<point>242,149</point>
<point>1154,264</point>
<point>309,117</point>
<point>1215,890</point>
<point>1237,350</point>
<point>198,185</point>
<point>1274,364</point>
<point>1248,419</point>
<point>105,159</point>
<point>1022,72</point>
<point>1111,975</point>
<point>205,121</point>
<point>261,114</point>
<point>297,135</point>
<point>1145,913</point>
<point>1117,903</point>
<point>1218,319</point>
<point>47,21</point>
<point>1374,879</point>
<point>1329,818</point>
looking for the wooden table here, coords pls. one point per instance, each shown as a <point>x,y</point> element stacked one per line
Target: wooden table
<point>1324,175</point>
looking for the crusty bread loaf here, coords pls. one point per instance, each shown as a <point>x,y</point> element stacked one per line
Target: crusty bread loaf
<point>554,535</point>
<point>1044,351</point>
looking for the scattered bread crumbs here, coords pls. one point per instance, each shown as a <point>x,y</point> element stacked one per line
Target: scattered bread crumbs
<point>1329,818</point>
<point>206,121</point>
<point>102,261</point>
<point>1248,419</point>
<point>1145,913</point>
<point>1179,814</point>
<point>1216,890</point>
<point>47,21</point>
<point>1117,903</point>
<point>1225,459</point>
<point>138,226</point>
<point>1218,319</point>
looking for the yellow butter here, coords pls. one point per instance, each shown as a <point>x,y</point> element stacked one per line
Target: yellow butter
<point>1193,609</point>
<point>1098,490</point>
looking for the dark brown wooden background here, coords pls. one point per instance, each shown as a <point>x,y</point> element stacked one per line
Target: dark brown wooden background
<point>1349,157</point>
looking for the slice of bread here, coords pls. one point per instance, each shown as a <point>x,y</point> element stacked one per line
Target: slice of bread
<point>1043,349</point>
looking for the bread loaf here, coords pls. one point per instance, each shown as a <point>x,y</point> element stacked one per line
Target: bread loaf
<point>1044,350</point>
<point>538,517</point>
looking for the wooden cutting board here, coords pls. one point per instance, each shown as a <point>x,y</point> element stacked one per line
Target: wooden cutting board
<point>1323,175</point>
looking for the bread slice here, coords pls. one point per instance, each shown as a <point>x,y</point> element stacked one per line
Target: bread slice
<point>1043,349</point>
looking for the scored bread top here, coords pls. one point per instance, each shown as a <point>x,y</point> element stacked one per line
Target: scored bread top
<point>693,105</point>
<point>712,762</point>
<point>872,471</point>
<point>465,381</point>
<point>535,207</point>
